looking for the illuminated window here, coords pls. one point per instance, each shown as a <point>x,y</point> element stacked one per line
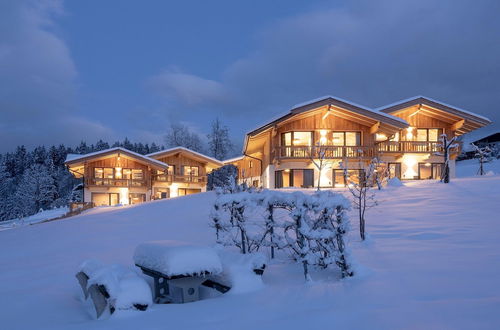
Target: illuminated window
<point>127,173</point>
<point>297,139</point>
<point>349,139</point>
<point>137,175</point>
<point>434,134</point>
<point>98,173</point>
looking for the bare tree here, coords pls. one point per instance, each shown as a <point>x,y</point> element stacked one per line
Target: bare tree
<point>360,188</point>
<point>318,157</point>
<point>179,135</point>
<point>219,143</point>
<point>447,145</point>
<point>483,155</point>
<point>381,172</point>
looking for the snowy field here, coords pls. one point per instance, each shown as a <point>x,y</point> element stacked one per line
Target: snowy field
<point>432,262</point>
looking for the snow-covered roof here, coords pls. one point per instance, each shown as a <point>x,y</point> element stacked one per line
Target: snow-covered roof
<point>326,97</point>
<point>234,159</point>
<point>74,158</point>
<point>174,149</point>
<point>293,111</point>
<point>414,98</point>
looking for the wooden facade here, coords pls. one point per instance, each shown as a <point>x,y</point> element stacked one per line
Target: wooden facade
<point>404,135</point>
<point>119,176</point>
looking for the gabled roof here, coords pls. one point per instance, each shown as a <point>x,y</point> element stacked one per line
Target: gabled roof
<point>174,150</point>
<point>334,101</point>
<point>73,159</point>
<point>420,99</point>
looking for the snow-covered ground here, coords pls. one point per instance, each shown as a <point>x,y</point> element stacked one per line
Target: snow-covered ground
<point>432,261</point>
<point>35,218</point>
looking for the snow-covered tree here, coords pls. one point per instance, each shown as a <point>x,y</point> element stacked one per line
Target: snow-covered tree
<point>447,146</point>
<point>180,136</point>
<point>219,144</point>
<point>483,155</point>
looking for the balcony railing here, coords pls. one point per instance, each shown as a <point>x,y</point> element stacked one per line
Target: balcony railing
<point>408,146</point>
<point>181,178</point>
<point>116,182</point>
<point>328,152</point>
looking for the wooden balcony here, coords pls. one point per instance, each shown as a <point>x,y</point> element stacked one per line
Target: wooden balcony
<point>181,178</point>
<point>408,146</point>
<point>330,152</point>
<point>115,182</point>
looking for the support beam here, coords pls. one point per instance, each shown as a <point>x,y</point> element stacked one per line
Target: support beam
<point>375,128</point>
<point>458,125</point>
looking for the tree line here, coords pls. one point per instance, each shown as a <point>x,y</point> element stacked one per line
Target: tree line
<point>34,180</point>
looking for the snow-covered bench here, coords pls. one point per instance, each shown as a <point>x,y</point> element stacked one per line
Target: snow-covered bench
<point>113,287</point>
<point>178,270</point>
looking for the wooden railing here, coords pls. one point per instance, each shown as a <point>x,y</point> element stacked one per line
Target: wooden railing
<point>116,182</point>
<point>408,146</point>
<point>327,152</point>
<point>181,178</point>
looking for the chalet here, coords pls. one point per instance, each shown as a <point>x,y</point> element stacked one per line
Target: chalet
<point>120,176</point>
<point>404,136</point>
<point>186,174</point>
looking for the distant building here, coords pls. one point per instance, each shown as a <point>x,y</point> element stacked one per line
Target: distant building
<point>492,140</point>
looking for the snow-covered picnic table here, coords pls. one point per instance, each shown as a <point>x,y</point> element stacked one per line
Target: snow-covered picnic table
<point>177,269</point>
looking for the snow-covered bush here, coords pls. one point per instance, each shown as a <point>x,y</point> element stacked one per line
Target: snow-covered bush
<point>312,228</point>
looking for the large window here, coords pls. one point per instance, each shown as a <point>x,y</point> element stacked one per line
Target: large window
<point>423,134</point>
<point>297,139</point>
<point>300,178</point>
<point>349,139</point>
<point>428,171</point>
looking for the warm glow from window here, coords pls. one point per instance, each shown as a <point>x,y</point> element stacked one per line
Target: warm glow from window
<point>409,133</point>
<point>380,137</point>
<point>410,163</point>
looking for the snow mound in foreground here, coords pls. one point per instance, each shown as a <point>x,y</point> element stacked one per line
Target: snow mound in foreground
<point>239,270</point>
<point>124,286</point>
<point>173,258</point>
<point>394,182</point>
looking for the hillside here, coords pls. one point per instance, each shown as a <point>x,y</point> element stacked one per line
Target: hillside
<point>432,261</point>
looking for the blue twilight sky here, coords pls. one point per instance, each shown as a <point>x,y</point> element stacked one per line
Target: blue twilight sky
<point>89,70</point>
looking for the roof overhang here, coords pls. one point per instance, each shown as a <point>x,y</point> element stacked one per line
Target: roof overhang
<point>76,163</point>
<point>462,121</point>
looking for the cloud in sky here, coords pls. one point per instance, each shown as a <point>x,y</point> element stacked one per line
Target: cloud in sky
<point>371,52</point>
<point>38,79</point>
